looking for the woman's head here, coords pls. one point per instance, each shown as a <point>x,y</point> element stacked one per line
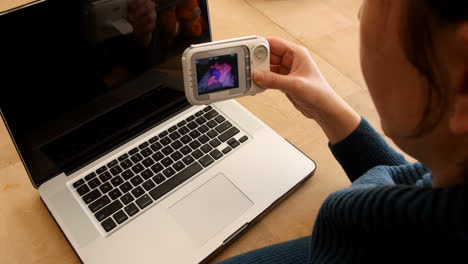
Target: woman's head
<point>414,55</point>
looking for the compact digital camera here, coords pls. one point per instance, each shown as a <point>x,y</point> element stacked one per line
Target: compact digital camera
<point>222,70</point>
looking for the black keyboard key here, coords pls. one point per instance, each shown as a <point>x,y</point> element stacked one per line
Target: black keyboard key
<point>153,140</point>
<point>194,134</point>
<point>185,139</point>
<point>146,152</point>
<point>178,166</point>
<point>108,225</point>
<point>116,181</point>
<point>192,125</point>
<point>243,139</point>
<point>176,156</point>
<point>167,150</point>
<point>90,176</point>
<point>203,129</point>
<point>211,124</point>
<point>188,159</point>
<point>136,158</point>
<point>99,203</point>
<point>206,160</point>
<point>143,145</point>
<point>88,198</point>
<point>131,209</point>
<point>137,192</point>
<point>163,134</point>
<point>123,157</point>
<point>227,149</point>
<point>183,130</point>
<point>203,139</point>
<point>137,180</point>
<point>146,174</point>
<point>83,189</point>
<point>127,198</point>
<point>212,133</point>
<point>201,120</point>
<point>208,108</point>
<point>220,118</point>
<point>210,114</point>
<point>168,172</point>
<point>206,148</point>
<point>165,141</point>
<point>223,127</point>
<point>172,129</point>
<point>197,154</point>
<point>194,144</point>
<point>185,150</point>
<point>105,176</point>
<point>174,135</point>
<point>120,217</point>
<point>167,161</point>
<point>94,183</point>
<point>181,123</point>
<point>190,118</point>
<point>144,201</point>
<point>216,154</point>
<point>114,194</point>
<point>148,185</point>
<point>112,163</point>
<point>233,143</point>
<point>126,164</point>
<point>116,170</point>
<point>156,146</point>
<point>176,144</point>
<point>157,168</point>
<point>108,210</point>
<point>159,178</point>
<point>78,183</point>
<point>126,187</point>
<point>101,170</point>
<point>138,168</point>
<point>127,174</point>
<point>175,181</point>
<point>199,113</point>
<point>133,151</point>
<point>158,156</point>
<point>105,187</point>
<point>215,142</point>
<point>228,134</point>
<point>148,162</point>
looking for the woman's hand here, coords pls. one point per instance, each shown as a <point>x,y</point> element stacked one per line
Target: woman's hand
<point>142,15</point>
<point>294,72</point>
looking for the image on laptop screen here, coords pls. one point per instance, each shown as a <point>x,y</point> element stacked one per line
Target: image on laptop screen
<point>80,77</point>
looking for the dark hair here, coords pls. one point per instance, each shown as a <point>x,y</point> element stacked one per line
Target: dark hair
<point>423,18</point>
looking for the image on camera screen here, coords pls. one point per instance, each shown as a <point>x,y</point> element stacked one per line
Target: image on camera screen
<point>217,73</point>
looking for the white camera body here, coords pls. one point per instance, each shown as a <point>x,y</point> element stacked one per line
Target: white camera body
<point>222,70</point>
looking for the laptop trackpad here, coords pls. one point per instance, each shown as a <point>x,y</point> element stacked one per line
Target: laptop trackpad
<point>210,208</point>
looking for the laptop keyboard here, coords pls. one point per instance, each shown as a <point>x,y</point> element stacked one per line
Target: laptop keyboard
<point>119,190</point>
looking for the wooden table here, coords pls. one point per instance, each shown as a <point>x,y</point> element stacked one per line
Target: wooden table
<point>328,28</point>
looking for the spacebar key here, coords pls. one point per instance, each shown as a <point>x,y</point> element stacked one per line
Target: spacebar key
<point>175,180</point>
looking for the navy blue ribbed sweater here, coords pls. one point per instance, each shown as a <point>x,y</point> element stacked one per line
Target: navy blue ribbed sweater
<point>390,213</point>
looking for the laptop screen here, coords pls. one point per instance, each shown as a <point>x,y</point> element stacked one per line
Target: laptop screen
<point>81,77</point>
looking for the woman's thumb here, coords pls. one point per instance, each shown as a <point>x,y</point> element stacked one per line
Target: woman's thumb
<point>268,79</point>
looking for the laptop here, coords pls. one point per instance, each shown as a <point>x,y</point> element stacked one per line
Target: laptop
<point>128,169</point>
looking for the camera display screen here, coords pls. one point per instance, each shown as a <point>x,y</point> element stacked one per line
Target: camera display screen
<point>217,73</point>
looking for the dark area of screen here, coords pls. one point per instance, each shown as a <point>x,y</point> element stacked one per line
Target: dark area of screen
<point>73,89</point>
<point>217,73</point>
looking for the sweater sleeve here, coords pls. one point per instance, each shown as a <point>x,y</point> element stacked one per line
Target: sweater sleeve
<point>365,149</point>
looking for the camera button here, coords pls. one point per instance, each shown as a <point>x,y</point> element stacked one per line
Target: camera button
<point>260,52</point>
